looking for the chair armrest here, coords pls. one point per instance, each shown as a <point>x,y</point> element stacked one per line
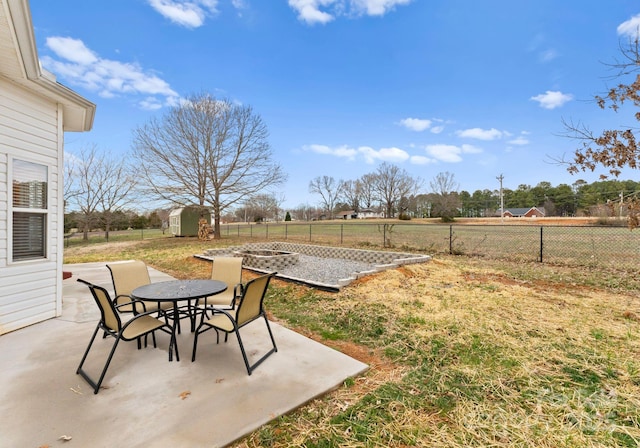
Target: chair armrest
<point>132,302</point>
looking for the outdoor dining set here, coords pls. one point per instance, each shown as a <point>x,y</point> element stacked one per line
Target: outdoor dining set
<point>139,308</point>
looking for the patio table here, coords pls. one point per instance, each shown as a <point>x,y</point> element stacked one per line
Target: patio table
<point>177,291</point>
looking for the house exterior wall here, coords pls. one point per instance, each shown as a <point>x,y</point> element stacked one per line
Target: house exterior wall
<point>30,130</point>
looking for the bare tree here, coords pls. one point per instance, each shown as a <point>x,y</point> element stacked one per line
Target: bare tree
<point>367,190</point>
<point>303,212</point>
<point>262,207</point>
<point>208,153</point>
<point>329,191</point>
<point>350,193</point>
<point>392,184</point>
<point>99,184</point>
<point>446,200</point>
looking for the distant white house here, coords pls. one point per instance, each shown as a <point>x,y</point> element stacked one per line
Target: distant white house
<point>369,213</point>
<point>35,111</point>
<point>361,214</point>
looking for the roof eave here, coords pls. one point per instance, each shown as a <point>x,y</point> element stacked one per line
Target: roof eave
<point>79,112</point>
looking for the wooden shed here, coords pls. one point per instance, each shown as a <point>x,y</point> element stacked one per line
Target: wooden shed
<point>184,221</point>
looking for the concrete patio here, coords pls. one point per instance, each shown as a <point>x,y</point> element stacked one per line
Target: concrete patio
<point>146,401</point>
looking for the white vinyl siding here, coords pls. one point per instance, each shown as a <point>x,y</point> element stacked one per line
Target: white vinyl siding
<point>30,131</point>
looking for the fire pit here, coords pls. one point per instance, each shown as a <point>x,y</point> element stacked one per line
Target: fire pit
<point>268,260</point>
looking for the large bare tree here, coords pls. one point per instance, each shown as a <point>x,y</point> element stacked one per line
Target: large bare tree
<point>329,190</point>
<point>263,207</point>
<point>392,184</point>
<point>351,192</point>
<point>446,200</point>
<point>98,182</point>
<point>367,190</point>
<point>206,152</point>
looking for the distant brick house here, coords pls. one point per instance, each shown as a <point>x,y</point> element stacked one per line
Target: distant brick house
<point>532,212</point>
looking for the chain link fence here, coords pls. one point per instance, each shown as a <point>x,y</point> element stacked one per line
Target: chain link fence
<point>605,246</point>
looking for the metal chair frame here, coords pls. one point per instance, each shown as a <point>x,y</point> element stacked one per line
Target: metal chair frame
<point>111,324</point>
<point>250,308</point>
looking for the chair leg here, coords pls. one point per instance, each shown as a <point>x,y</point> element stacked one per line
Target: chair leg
<point>273,341</point>
<point>86,352</point>
<point>244,354</point>
<point>251,367</point>
<point>85,375</point>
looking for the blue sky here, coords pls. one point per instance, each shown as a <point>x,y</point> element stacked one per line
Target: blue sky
<point>475,88</point>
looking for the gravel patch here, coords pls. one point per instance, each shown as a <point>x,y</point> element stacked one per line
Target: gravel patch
<point>324,270</point>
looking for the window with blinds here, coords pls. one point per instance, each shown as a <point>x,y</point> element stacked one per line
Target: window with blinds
<point>30,208</point>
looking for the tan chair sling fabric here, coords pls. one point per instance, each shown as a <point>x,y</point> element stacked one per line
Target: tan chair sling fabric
<point>126,277</point>
<point>110,323</point>
<point>228,270</point>
<point>249,309</point>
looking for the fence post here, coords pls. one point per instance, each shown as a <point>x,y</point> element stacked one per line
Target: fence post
<point>267,230</point>
<point>309,232</point>
<point>450,239</point>
<point>141,233</point>
<point>341,232</point>
<point>384,235</point>
<point>238,230</point>
<point>250,231</point>
<point>286,233</point>
<point>541,227</point>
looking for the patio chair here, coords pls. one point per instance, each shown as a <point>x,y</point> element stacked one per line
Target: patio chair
<point>141,324</point>
<point>126,277</point>
<point>249,308</point>
<point>228,270</point>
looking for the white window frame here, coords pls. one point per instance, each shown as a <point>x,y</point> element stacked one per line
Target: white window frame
<point>44,212</point>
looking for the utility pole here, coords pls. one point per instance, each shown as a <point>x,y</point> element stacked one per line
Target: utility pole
<point>501,178</point>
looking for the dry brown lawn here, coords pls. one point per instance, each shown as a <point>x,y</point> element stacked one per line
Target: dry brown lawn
<point>476,353</point>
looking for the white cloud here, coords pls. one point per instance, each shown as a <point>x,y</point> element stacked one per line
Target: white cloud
<point>470,149</point>
<point>340,151</point>
<point>421,160</point>
<point>188,13</point>
<point>552,99</point>
<point>445,153</point>
<point>481,134</point>
<point>309,10</point>
<point>520,140</point>
<point>384,154</point>
<point>630,28</point>
<point>369,154</point>
<point>450,153</point>
<point>548,55</point>
<point>377,7</point>
<point>73,50</point>
<point>315,11</point>
<point>82,67</point>
<point>415,124</point>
